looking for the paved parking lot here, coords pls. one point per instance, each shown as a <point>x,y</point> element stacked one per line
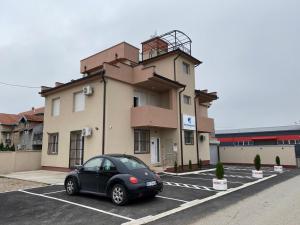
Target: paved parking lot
<point>51,205</point>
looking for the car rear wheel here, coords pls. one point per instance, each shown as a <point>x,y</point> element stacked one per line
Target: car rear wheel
<point>71,186</point>
<point>119,194</point>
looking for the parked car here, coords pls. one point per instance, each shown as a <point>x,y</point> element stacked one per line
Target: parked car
<point>120,177</point>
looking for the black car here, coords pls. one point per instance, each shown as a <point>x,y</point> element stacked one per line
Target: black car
<point>120,177</point>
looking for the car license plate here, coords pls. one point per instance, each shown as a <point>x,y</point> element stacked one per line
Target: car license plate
<point>151,183</point>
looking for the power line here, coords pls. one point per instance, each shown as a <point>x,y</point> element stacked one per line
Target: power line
<point>18,85</point>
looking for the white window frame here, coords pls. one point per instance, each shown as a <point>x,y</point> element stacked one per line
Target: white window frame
<point>53,139</point>
<point>81,106</point>
<point>186,67</point>
<point>55,112</point>
<point>187,99</point>
<point>139,142</point>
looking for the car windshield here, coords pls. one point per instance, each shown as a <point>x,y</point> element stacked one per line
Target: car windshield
<point>132,163</point>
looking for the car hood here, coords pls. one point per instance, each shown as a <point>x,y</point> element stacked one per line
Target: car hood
<point>143,174</point>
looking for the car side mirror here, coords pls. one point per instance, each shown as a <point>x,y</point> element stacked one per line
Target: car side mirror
<point>78,167</point>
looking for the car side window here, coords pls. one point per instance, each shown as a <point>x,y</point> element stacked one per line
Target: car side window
<point>93,165</point>
<point>108,166</point>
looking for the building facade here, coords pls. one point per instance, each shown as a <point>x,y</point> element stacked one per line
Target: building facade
<point>144,107</point>
<point>241,145</point>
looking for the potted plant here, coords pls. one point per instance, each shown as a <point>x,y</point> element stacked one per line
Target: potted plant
<point>278,167</point>
<point>220,183</point>
<point>257,173</point>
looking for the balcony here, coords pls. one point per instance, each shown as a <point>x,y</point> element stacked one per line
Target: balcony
<point>153,116</point>
<point>205,124</point>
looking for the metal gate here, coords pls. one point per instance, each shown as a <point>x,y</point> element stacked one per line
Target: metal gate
<point>76,149</point>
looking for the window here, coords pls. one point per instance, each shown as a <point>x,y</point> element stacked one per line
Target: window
<point>78,102</point>
<point>136,101</point>
<point>55,107</point>
<point>187,99</point>
<point>189,137</point>
<point>186,67</point>
<point>108,166</point>
<point>141,141</point>
<point>93,165</point>
<point>132,163</point>
<point>53,144</point>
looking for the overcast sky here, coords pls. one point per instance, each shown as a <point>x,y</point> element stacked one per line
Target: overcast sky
<point>250,49</point>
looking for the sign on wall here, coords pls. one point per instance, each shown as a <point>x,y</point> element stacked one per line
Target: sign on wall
<point>189,122</point>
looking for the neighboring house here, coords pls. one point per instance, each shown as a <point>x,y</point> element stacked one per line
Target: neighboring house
<point>23,130</point>
<point>8,122</point>
<point>148,108</point>
<point>30,131</point>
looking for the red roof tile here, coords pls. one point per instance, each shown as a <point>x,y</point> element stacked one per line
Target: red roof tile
<point>34,111</point>
<point>9,119</point>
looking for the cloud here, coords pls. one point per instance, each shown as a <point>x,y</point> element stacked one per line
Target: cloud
<point>249,49</point>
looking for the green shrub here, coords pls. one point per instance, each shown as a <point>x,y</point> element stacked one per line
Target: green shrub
<point>1,146</point>
<point>175,166</point>
<point>277,161</point>
<point>12,148</point>
<point>257,162</point>
<point>219,171</point>
<point>190,165</point>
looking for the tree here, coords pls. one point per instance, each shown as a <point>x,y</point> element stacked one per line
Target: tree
<point>220,171</point>
<point>175,166</point>
<point>257,162</point>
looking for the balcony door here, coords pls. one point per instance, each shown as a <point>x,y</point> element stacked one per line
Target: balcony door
<point>155,150</point>
<point>76,149</point>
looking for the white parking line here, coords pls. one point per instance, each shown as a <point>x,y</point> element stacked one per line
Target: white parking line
<point>190,204</point>
<point>192,172</point>
<point>191,186</point>
<point>174,199</point>
<point>200,178</point>
<point>80,205</point>
<point>52,192</point>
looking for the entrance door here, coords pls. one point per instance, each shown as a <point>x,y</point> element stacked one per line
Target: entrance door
<point>155,150</point>
<point>76,149</point>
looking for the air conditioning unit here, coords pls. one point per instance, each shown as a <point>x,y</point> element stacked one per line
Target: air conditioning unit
<point>86,132</point>
<point>87,90</point>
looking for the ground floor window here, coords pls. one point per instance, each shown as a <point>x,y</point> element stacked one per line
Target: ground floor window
<point>141,141</point>
<point>53,143</point>
<point>189,137</point>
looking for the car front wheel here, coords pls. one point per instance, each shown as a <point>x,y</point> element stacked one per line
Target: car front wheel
<point>119,194</point>
<point>71,186</point>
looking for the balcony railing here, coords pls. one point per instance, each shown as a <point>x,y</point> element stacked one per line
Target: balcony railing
<point>152,116</point>
<point>205,124</point>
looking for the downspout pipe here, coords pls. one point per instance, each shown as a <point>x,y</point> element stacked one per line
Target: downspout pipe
<point>197,144</point>
<point>180,111</point>
<point>174,66</point>
<point>104,110</point>
<point>180,125</point>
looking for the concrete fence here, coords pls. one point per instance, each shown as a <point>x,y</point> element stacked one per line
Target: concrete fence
<point>246,154</point>
<point>19,161</point>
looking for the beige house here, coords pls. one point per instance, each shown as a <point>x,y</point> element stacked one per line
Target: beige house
<point>143,104</point>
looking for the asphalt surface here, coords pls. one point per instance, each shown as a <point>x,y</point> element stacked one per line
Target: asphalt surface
<point>51,205</point>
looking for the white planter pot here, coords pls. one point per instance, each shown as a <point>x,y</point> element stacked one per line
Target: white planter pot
<point>257,174</point>
<point>220,185</point>
<point>278,169</point>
